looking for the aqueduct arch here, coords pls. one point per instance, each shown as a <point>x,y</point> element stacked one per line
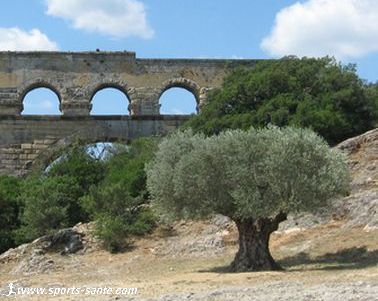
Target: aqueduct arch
<point>186,84</point>
<point>75,77</point>
<point>118,85</point>
<point>57,147</point>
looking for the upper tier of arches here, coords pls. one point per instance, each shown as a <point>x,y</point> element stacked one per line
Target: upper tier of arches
<point>114,98</point>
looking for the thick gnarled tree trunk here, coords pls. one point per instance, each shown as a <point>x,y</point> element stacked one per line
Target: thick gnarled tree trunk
<point>253,253</point>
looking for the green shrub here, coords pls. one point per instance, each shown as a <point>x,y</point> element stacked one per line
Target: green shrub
<point>127,166</point>
<point>112,230</point>
<point>144,222</point>
<point>47,202</point>
<point>9,207</point>
<point>118,204</point>
<point>76,188</point>
<point>115,230</point>
<point>50,201</point>
<point>78,164</point>
<point>118,215</point>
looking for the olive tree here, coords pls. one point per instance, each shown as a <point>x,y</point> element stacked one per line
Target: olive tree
<point>255,177</point>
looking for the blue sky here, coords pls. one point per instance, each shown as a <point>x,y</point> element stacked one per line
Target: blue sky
<point>345,29</point>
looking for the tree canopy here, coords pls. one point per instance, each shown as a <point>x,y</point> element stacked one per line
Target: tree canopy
<point>255,177</point>
<point>320,94</point>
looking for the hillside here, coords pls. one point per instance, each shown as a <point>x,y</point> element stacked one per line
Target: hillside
<point>361,207</point>
<point>332,256</point>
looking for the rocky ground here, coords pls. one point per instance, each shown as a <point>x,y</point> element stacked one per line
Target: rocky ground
<point>331,256</point>
<point>281,290</point>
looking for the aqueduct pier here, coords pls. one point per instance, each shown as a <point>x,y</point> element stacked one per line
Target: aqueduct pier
<point>75,77</point>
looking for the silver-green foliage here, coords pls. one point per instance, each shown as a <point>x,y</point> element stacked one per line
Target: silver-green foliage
<point>245,174</point>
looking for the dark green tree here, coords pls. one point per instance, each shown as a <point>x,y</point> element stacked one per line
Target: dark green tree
<point>373,94</point>
<point>317,93</point>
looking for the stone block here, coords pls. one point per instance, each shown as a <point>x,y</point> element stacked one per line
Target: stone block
<point>26,146</point>
<point>39,142</point>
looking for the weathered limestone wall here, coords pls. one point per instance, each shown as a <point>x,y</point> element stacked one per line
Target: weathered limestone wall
<point>75,78</point>
<point>29,141</point>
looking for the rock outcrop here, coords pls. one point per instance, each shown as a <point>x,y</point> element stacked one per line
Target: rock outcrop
<point>361,207</point>
<point>35,257</point>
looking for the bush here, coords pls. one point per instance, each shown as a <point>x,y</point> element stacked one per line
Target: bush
<point>76,188</point>
<point>85,171</point>
<point>77,163</point>
<point>118,215</point>
<point>9,207</point>
<point>46,206</point>
<point>112,231</point>
<point>51,201</point>
<point>127,166</point>
<point>118,204</point>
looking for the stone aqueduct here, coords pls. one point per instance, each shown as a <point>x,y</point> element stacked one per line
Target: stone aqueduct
<point>29,141</point>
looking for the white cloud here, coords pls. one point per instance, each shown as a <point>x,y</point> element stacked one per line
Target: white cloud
<point>117,18</point>
<point>342,28</point>
<point>13,39</point>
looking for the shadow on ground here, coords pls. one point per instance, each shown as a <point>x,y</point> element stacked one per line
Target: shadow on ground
<point>352,258</point>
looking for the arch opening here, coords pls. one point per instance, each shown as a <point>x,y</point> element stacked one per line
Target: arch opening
<point>110,101</point>
<point>178,101</point>
<point>41,100</point>
<point>99,149</point>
